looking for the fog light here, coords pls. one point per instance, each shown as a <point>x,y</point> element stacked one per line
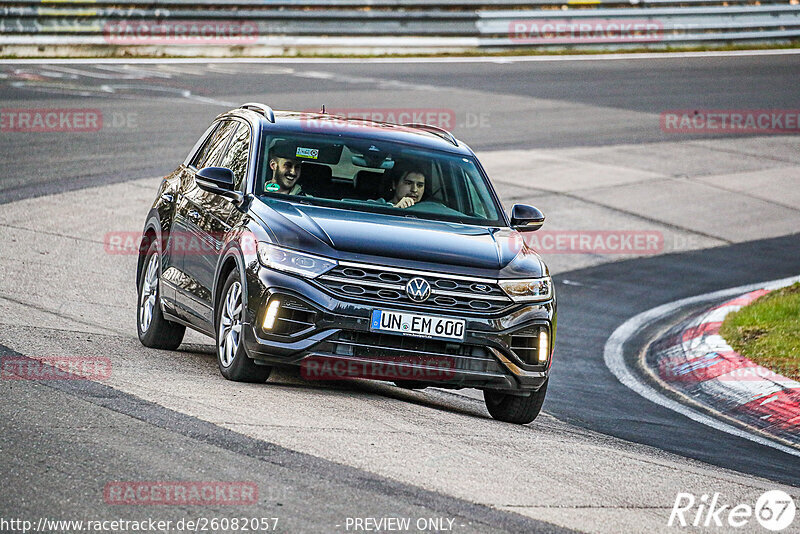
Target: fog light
<point>544,346</point>
<point>272,313</point>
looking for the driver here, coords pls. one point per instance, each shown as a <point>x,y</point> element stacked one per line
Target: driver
<point>407,187</point>
<point>285,166</point>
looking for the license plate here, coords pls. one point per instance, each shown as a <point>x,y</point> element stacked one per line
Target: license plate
<point>412,324</point>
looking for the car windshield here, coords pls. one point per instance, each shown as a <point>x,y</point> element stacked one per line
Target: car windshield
<point>375,176</point>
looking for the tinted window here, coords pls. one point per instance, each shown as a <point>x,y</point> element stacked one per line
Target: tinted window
<point>203,142</point>
<point>236,157</point>
<point>376,176</point>
<point>209,155</point>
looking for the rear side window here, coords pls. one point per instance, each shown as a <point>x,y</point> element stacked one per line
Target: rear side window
<point>209,155</point>
<point>237,155</point>
<point>200,156</point>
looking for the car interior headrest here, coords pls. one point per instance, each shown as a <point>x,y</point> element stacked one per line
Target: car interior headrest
<point>316,179</point>
<point>370,185</point>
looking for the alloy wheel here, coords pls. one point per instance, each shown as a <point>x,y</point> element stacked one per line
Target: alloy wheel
<point>230,325</point>
<point>147,300</point>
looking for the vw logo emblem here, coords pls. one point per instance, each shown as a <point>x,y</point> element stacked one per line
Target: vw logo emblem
<point>482,288</point>
<point>418,289</point>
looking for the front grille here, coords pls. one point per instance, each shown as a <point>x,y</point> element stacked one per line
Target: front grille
<point>407,349</point>
<point>447,293</point>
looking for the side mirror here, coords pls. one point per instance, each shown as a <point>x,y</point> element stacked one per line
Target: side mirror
<point>526,218</point>
<point>215,178</point>
<point>218,180</point>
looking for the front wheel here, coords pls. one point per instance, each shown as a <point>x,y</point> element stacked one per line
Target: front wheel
<point>513,408</point>
<point>154,330</point>
<point>234,364</point>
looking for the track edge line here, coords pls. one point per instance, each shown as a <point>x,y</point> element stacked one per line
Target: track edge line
<point>615,361</point>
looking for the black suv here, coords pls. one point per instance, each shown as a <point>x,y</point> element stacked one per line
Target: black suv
<point>350,248</point>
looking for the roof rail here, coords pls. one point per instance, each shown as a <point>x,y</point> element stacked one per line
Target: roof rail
<point>441,132</point>
<point>260,108</point>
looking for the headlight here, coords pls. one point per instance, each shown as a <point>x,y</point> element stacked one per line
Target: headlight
<point>283,259</point>
<point>528,289</point>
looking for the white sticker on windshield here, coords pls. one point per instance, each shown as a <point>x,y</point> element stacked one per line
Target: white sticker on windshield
<point>310,153</point>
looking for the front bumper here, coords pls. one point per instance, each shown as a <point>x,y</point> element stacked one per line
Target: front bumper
<point>330,338</point>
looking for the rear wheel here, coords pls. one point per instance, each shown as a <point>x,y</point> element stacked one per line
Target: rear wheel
<point>154,330</point>
<point>513,408</point>
<point>234,364</point>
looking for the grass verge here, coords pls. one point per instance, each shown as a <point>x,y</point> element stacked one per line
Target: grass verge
<point>768,331</point>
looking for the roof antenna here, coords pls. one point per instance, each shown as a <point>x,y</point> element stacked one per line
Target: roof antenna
<point>323,109</point>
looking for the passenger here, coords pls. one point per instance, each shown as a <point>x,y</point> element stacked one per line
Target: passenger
<point>285,170</point>
<point>407,187</point>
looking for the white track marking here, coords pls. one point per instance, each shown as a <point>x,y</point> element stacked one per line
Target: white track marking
<point>613,356</point>
<point>397,60</point>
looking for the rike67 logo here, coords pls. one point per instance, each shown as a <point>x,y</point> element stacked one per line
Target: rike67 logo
<point>774,510</point>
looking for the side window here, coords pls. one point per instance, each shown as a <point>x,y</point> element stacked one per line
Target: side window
<point>210,153</point>
<point>203,151</point>
<point>199,149</point>
<point>238,154</point>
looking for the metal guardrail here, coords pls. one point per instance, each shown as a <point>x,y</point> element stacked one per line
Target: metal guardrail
<point>387,25</point>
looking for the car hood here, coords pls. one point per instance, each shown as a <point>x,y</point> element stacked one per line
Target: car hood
<point>306,227</point>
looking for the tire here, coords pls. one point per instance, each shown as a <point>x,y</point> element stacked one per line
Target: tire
<point>154,331</point>
<point>513,408</point>
<point>234,364</point>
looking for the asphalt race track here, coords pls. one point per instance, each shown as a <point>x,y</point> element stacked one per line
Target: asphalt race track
<point>580,139</point>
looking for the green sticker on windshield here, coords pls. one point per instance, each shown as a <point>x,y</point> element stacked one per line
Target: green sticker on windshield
<point>310,153</point>
<point>272,187</point>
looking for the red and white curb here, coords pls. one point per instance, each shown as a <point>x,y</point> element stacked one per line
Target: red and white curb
<point>694,359</point>
<point>628,374</point>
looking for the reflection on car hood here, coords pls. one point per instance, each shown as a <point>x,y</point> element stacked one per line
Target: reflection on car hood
<point>385,235</point>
